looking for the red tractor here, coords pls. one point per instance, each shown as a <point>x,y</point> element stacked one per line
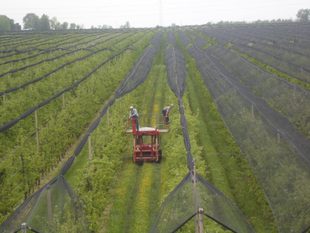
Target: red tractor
<point>146,143</point>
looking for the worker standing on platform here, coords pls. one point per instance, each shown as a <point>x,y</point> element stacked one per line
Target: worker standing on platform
<point>133,114</point>
<point>165,112</point>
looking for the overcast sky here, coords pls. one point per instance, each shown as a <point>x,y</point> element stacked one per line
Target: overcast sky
<point>149,13</point>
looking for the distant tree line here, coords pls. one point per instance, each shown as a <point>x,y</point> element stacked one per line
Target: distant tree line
<point>33,22</point>
<point>7,24</point>
<point>44,23</point>
<point>303,15</point>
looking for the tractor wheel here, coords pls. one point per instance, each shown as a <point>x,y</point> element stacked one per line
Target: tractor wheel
<point>159,156</point>
<point>139,163</point>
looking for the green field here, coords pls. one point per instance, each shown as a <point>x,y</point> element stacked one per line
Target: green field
<point>247,120</point>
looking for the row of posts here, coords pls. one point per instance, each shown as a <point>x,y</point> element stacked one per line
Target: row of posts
<point>37,126</point>
<point>36,121</point>
<point>90,148</point>
<point>200,211</point>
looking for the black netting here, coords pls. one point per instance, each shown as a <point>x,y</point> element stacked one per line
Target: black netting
<point>54,208</point>
<point>11,123</point>
<point>193,193</point>
<point>141,69</point>
<point>177,208</point>
<point>288,99</point>
<point>279,158</point>
<point>284,50</point>
<point>184,201</point>
<point>176,67</point>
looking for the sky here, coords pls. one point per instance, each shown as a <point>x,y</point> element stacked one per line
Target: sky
<point>150,13</point>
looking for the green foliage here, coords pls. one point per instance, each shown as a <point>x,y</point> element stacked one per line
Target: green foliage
<point>303,15</point>
<point>44,23</point>
<point>273,70</point>
<point>7,24</point>
<point>220,159</point>
<point>31,21</point>
<point>60,122</point>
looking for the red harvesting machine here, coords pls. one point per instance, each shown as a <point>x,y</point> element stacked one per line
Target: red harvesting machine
<point>146,143</point>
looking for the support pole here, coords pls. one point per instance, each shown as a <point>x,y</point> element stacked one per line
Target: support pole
<point>37,129</point>
<point>90,150</point>
<point>49,205</point>
<point>63,100</point>
<point>108,117</point>
<point>252,109</point>
<point>23,227</point>
<point>200,220</point>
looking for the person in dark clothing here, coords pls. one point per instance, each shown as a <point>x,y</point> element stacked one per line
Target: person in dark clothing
<point>166,110</point>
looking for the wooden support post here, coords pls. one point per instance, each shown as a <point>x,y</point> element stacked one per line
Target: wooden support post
<point>108,117</point>
<point>37,129</point>
<point>90,150</point>
<point>63,100</point>
<point>23,227</point>
<point>200,220</point>
<point>49,205</point>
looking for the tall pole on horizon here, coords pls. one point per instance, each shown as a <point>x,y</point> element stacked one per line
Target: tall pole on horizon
<point>160,13</point>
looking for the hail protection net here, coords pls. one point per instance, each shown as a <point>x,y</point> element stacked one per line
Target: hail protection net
<point>193,193</point>
<point>141,69</point>
<point>55,208</point>
<point>285,47</point>
<point>183,202</point>
<point>268,134</point>
<point>176,68</point>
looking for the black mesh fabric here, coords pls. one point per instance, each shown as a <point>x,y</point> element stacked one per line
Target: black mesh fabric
<point>276,150</point>
<point>194,192</point>
<point>183,203</point>
<point>54,208</point>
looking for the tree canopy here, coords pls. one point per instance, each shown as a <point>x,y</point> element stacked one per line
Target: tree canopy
<point>31,21</point>
<point>44,23</point>
<point>303,15</point>
<point>7,24</point>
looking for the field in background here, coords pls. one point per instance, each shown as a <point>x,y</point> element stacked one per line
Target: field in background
<point>64,105</point>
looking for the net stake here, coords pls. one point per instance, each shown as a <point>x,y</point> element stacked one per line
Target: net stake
<point>200,220</point>
<point>49,205</point>
<point>37,129</point>
<point>108,118</point>
<point>90,154</point>
<point>23,227</point>
<point>63,100</point>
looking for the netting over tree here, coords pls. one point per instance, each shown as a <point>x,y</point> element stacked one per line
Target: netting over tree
<point>55,208</point>
<point>279,161</point>
<point>193,196</point>
<point>190,195</point>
